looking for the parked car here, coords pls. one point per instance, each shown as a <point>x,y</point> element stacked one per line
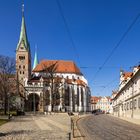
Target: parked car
<point>20,112</point>
<point>70,114</point>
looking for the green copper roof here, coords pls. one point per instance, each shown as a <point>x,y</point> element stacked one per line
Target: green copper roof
<point>23,35</point>
<point>35,60</point>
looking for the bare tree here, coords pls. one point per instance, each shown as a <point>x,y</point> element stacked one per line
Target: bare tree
<point>54,82</point>
<point>7,69</point>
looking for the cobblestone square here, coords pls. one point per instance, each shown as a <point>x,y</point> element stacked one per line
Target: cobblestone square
<point>44,127</point>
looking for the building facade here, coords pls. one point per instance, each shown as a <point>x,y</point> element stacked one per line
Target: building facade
<point>126,103</point>
<point>52,85</point>
<point>101,103</point>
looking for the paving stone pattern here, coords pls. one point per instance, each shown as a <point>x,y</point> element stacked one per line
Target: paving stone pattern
<point>105,127</point>
<point>40,127</point>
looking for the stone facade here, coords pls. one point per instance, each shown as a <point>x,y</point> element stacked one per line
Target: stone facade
<point>126,103</point>
<point>101,103</point>
<point>62,89</point>
<point>72,94</point>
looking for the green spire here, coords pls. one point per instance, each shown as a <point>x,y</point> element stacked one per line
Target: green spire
<point>23,34</point>
<point>35,58</point>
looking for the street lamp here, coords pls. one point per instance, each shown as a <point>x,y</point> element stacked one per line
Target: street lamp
<point>34,99</point>
<point>8,95</point>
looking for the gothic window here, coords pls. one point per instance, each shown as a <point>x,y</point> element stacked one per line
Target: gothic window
<point>46,96</point>
<point>77,96</point>
<point>20,72</point>
<point>82,96</point>
<point>19,66</point>
<point>73,98</point>
<point>23,72</point>
<point>23,67</point>
<point>66,100</point>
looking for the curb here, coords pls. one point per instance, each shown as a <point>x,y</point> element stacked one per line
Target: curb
<point>76,132</point>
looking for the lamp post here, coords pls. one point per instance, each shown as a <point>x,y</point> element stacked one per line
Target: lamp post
<point>8,106</point>
<point>34,107</point>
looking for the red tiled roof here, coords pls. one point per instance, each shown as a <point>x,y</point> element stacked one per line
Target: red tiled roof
<point>127,75</point>
<point>59,66</point>
<point>57,80</point>
<point>94,99</point>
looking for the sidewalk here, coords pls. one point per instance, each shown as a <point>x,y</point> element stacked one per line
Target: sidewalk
<point>76,133</point>
<point>132,120</point>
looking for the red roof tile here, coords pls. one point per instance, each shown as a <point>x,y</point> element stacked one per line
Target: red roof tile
<point>127,75</point>
<point>59,66</point>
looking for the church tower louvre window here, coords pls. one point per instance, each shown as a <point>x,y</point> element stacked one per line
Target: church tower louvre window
<point>23,55</point>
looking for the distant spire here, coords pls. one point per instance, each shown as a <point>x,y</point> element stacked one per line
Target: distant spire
<point>35,58</point>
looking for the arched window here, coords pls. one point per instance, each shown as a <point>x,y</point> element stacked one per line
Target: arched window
<point>66,98</point>
<point>77,96</point>
<point>82,96</point>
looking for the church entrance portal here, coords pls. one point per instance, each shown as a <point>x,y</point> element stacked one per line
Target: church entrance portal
<point>32,104</point>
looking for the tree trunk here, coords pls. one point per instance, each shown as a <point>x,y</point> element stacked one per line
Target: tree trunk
<point>5,104</point>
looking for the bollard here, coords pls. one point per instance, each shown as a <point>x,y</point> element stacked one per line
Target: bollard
<point>70,136</point>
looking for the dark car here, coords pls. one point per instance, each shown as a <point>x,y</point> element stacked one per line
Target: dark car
<point>70,114</point>
<point>20,112</point>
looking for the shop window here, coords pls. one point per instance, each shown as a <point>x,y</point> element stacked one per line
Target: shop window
<point>127,105</point>
<point>130,104</point>
<point>135,104</point>
<point>122,107</point>
<point>139,102</point>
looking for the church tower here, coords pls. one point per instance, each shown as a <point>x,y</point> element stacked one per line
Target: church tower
<point>23,55</point>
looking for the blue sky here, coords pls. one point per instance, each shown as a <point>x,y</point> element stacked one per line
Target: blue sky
<point>96,26</point>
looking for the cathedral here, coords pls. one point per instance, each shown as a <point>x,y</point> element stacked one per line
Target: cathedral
<point>50,85</point>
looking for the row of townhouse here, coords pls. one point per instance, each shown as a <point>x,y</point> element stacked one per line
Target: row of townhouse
<point>101,103</point>
<point>126,101</point>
